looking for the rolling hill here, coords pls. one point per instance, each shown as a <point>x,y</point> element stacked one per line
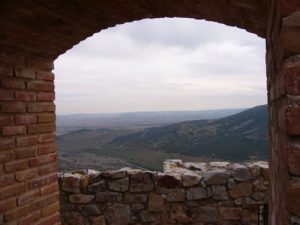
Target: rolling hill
<point>241,136</point>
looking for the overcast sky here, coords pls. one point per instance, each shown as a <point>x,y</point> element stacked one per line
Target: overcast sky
<point>162,64</point>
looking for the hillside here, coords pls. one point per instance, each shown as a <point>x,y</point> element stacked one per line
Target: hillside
<point>238,137</point>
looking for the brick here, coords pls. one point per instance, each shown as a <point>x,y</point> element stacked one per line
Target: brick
<point>40,63</point>
<point>14,130</point>
<point>50,220</point>
<point>25,96</point>
<point>46,149</point>
<point>46,96</point>
<point>293,200</point>
<point>25,73</point>
<point>17,213</point>
<point>13,84</point>
<point>25,119</point>
<point>46,86</point>
<point>47,200</point>
<point>293,120</point>
<point>46,118</point>
<point>11,191</point>
<point>47,169</point>
<point>27,197</point>
<point>30,218</point>
<point>42,181</point>
<point>41,107</point>
<point>6,144</point>
<point>287,7</point>
<point>14,166</point>
<point>7,205</point>
<point>14,107</point>
<point>6,156</point>
<point>6,95</point>
<point>41,128</point>
<point>50,209</point>
<point>7,180</point>
<point>291,73</point>
<point>6,121</point>
<point>6,71</point>
<point>26,175</point>
<point>42,160</point>
<point>49,189</point>
<point>23,153</point>
<point>27,141</point>
<point>45,75</point>
<point>47,137</point>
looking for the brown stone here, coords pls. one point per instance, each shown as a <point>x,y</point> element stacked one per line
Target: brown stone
<point>117,214</point>
<point>230,213</point>
<point>243,189</point>
<point>155,203</point>
<point>81,198</point>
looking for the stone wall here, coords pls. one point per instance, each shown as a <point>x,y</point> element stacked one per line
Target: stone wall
<point>186,193</point>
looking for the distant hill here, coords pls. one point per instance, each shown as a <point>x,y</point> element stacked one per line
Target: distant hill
<point>135,120</point>
<point>238,137</point>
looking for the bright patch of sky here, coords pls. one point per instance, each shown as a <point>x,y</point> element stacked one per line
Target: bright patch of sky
<point>161,65</point>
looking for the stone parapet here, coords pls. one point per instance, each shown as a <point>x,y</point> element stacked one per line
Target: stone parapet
<point>185,193</point>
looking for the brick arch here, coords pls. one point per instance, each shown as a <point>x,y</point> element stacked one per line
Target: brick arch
<point>35,32</point>
<point>48,30</point>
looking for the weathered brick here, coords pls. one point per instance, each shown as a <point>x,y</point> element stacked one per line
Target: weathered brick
<point>25,73</point>
<point>46,86</point>
<point>42,160</point>
<point>26,175</point>
<point>17,213</point>
<point>30,218</point>
<point>13,84</point>
<point>51,188</point>
<point>16,166</point>
<point>27,197</point>
<point>44,138</point>
<point>291,73</point>
<point>50,209</point>
<point>14,107</point>
<point>11,191</point>
<point>14,130</point>
<point>25,96</point>
<point>40,63</point>
<point>26,141</point>
<point>45,75</point>
<point>6,156</point>
<point>41,128</point>
<point>42,181</point>
<point>28,152</point>
<point>46,118</point>
<point>6,180</point>
<point>50,220</point>
<point>293,200</point>
<point>293,120</point>
<point>46,200</point>
<point>47,149</point>
<point>46,96</point>
<point>6,144</point>
<point>287,7</point>
<point>25,119</point>
<point>7,205</point>
<point>6,95</point>
<point>47,169</point>
<point>41,107</point>
<point>6,121</point>
<point>6,71</point>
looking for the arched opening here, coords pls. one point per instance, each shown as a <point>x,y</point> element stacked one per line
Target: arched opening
<point>35,33</point>
<point>155,74</point>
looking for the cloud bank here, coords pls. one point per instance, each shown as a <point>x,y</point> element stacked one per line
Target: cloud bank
<point>162,64</point>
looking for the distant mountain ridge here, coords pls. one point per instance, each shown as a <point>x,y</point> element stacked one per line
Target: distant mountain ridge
<point>238,137</point>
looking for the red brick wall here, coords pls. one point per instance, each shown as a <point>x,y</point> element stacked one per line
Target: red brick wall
<point>28,180</point>
<point>283,65</point>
